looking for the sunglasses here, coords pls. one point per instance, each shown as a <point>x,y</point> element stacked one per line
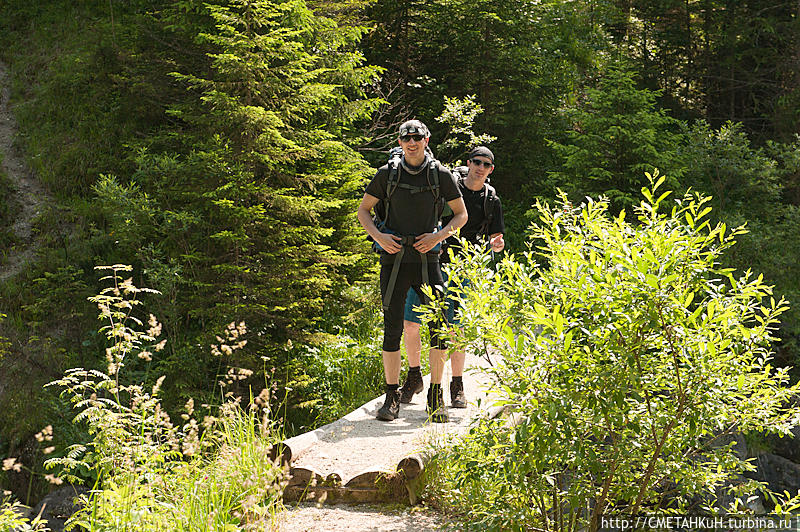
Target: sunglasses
<point>479,163</point>
<point>406,138</point>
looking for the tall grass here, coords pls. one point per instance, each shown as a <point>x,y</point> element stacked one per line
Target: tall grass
<point>148,473</point>
<point>230,486</point>
<point>331,379</point>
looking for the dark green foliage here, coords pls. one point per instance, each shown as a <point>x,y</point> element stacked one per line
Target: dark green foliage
<point>618,134</point>
<point>208,145</point>
<point>718,59</point>
<point>724,163</point>
<point>521,60</point>
<point>6,212</point>
<point>214,145</point>
<point>250,216</point>
<point>755,186</point>
<point>56,290</point>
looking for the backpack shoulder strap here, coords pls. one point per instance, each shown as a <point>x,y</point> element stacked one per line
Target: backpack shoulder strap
<point>391,185</point>
<point>489,201</point>
<point>438,199</point>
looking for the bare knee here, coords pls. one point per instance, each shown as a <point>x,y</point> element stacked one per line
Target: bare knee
<point>410,328</point>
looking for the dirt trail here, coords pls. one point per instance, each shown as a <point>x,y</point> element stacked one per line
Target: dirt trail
<point>29,194</point>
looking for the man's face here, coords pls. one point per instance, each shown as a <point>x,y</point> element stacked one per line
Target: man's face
<point>413,145</point>
<point>480,167</point>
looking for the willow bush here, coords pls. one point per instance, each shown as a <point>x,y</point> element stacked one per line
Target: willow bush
<point>630,356</point>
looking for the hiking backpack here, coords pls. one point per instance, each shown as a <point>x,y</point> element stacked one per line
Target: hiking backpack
<point>393,183</point>
<point>489,200</point>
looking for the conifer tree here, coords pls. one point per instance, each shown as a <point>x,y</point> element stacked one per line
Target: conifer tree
<point>252,207</point>
<point>618,134</point>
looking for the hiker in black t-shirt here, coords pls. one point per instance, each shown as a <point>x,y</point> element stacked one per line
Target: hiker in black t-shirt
<point>410,197</point>
<point>485,224</point>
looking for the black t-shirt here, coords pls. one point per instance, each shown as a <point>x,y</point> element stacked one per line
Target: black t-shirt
<point>413,213</point>
<point>474,201</point>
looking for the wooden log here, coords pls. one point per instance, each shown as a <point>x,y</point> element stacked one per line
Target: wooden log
<point>334,479</point>
<point>366,479</point>
<point>411,466</point>
<point>305,476</point>
<point>290,449</point>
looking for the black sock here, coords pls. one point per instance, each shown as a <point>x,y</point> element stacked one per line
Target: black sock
<point>392,387</point>
<point>457,380</point>
<point>414,369</point>
<point>435,388</point>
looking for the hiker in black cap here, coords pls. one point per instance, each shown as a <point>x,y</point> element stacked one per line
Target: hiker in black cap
<point>485,223</point>
<point>409,199</point>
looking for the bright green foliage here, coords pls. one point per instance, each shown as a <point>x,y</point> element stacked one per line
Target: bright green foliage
<point>460,114</point>
<point>149,474</point>
<point>331,379</point>
<point>618,134</point>
<point>11,519</point>
<point>628,360</point>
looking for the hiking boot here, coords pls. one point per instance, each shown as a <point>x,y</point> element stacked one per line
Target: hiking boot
<point>457,397</point>
<point>411,386</point>
<point>391,407</point>
<point>436,409</point>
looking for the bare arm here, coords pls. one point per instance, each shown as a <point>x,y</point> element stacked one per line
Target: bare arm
<point>386,241</point>
<point>428,241</point>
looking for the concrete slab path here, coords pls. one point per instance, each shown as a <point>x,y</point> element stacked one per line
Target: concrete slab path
<point>345,460</point>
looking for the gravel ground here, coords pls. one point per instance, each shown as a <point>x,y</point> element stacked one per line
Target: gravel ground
<point>361,518</point>
<point>359,442</point>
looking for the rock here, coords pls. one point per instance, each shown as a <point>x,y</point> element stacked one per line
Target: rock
<point>58,506</point>
<point>787,447</point>
<point>779,473</point>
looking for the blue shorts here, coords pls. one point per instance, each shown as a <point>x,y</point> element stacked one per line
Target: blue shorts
<point>412,300</point>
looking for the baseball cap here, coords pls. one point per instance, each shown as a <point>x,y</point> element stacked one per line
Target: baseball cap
<point>413,127</point>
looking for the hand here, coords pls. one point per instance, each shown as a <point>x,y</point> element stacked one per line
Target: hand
<point>497,243</point>
<point>426,242</point>
<point>389,243</point>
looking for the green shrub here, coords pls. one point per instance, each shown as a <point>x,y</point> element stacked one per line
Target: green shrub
<point>150,474</point>
<point>628,359</point>
<point>12,518</point>
<point>329,380</point>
